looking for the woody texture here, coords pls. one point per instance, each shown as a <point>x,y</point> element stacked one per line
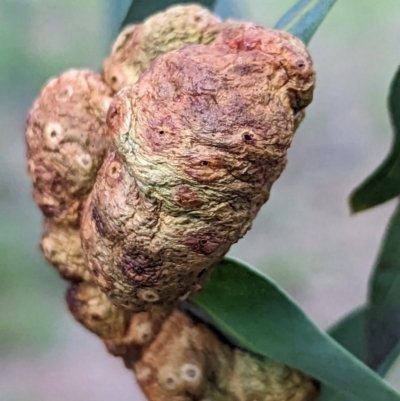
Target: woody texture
<point>147,173</point>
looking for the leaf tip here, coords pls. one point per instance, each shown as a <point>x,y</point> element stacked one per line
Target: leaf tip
<point>356,207</point>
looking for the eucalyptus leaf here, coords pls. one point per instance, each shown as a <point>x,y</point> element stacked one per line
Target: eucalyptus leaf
<point>383,313</point>
<point>141,9</point>
<point>250,308</point>
<point>389,361</point>
<point>351,333</point>
<point>384,183</point>
<point>304,18</point>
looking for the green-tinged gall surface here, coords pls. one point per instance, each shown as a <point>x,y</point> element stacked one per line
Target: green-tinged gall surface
<point>198,364</point>
<point>138,45</point>
<point>258,378</point>
<point>176,357</point>
<point>67,140</point>
<point>61,246</point>
<point>200,140</point>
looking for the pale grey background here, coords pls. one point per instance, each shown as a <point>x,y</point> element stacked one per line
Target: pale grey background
<point>304,237</point>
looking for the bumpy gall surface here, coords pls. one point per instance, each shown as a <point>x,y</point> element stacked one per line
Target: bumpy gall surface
<point>200,140</point>
<point>175,357</point>
<point>138,45</point>
<point>61,246</point>
<point>191,152</point>
<point>67,140</point>
<point>91,307</point>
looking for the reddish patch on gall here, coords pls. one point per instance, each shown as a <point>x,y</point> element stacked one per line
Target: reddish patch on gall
<point>118,117</point>
<point>161,134</point>
<point>241,38</point>
<point>203,243</point>
<point>205,168</point>
<point>242,43</point>
<point>71,298</point>
<point>186,197</point>
<point>139,270</point>
<point>113,117</point>
<point>98,222</point>
<point>49,211</point>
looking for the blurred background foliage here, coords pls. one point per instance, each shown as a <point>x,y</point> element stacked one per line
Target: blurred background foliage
<point>304,237</point>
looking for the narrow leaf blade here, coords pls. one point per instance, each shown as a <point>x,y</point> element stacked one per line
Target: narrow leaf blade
<point>250,308</point>
<point>390,360</point>
<point>141,9</point>
<point>383,312</point>
<point>384,183</point>
<point>304,18</point>
<point>350,332</point>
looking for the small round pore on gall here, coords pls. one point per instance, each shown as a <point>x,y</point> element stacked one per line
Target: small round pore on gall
<point>67,140</point>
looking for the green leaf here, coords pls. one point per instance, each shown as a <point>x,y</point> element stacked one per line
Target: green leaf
<point>304,18</point>
<point>383,312</point>
<point>384,183</point>
<point>250,308</point>
<point>389,361</point>
<point>141,9</point>
<point>350,332</point>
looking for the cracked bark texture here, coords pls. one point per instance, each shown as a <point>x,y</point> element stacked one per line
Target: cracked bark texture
<point>188,158</point>
<point>200,139</point>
